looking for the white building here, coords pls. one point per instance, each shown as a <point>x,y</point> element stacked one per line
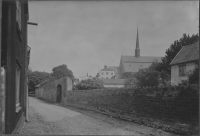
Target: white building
<point>106,73</point>
<point>116,83</point>
<point>186,60</point>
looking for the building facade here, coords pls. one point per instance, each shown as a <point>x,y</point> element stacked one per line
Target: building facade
<point>106,73</point>
<point>186,60</point>
<point>14,64</point>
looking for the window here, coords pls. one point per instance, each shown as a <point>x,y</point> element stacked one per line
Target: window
<point>17,87</point>
<point>106,73</point>
<point>18,13</point>
<point>182,70</point>
<point>106,77</point>
<point>111,73</point>
<point>101,73</point>
<point>129,65</point>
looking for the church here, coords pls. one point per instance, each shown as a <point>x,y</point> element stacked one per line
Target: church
<point>133,63</point>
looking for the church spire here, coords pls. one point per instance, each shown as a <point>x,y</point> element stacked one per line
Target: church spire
<point>137,49</point>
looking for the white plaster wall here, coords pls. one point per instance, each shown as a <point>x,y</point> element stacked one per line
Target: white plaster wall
<point>174,75</point>
<point>105,75</point>
<point>175,79</point>
<point>119,86</point>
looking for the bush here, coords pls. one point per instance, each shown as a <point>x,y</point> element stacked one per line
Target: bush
<point>194,77</point>
<point>94,83</point>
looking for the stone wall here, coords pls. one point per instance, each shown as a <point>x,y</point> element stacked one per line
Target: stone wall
<point>173,109</point>
<point>49,92</point>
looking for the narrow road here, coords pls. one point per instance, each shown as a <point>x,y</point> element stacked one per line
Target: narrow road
<point>78,122</point>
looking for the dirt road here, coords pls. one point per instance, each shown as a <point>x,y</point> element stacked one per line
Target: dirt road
<point>78,122</point>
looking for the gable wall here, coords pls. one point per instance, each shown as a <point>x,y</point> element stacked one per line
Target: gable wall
<point>175,79</point>
<point>49,91</point>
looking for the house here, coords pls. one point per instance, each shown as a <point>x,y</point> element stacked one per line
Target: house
<point>106,73</point>
<point>14,64</point>
<point>186,60</point>
<point>113,82</point>
<point>133,63</point>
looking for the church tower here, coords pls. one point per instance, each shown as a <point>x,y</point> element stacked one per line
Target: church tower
<point>137,49</point>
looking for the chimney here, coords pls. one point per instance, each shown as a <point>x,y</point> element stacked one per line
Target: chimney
<point>105,66</point>
<point>137,49</point>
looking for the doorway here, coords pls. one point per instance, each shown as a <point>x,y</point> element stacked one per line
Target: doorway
<point>59,93</point>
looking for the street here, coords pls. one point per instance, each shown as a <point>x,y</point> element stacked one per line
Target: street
<point>68,121</point>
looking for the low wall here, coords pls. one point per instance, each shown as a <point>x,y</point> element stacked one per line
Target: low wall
<point>171,109</point>
<point>174,109</point>
<point>49,92</point>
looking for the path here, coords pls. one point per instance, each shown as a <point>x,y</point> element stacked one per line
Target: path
<point>77,122</point>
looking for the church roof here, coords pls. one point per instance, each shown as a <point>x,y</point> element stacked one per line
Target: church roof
<point>117,70</point>
<point>133,64</point>
<point>141,59</point>
<point>186,54</point>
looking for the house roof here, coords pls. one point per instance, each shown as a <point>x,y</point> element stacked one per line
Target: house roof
<point>117,70</point>
<point>113,81</point>
<point>106,69</point>
<point>186,54</point>
<point>133,64</point>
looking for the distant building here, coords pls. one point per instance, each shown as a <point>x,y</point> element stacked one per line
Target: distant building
<point>133,63</point>
<point>113,82</point>
<point>186,60</point>
<point>85,77</point>
<point>106,73</point>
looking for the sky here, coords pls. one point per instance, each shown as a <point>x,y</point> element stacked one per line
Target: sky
<point>86,35</point>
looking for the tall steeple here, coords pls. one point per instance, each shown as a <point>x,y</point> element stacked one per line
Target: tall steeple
<point>137,49</point>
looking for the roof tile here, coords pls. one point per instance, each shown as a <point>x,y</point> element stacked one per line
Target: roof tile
<point>186,54</point>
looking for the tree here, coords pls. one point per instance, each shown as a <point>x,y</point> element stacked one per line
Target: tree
<point>98,75</point>
<point>62,71</point>
<point>163,75</point>
<point>174,49</point>
<point>113,77</point>
<point>48,80</point>
<point>36,77</point>
<point>148,77</point>
<point>93,83</point>
<point>130,82</point>
<point>193,78</point>
<point>127,75</point>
